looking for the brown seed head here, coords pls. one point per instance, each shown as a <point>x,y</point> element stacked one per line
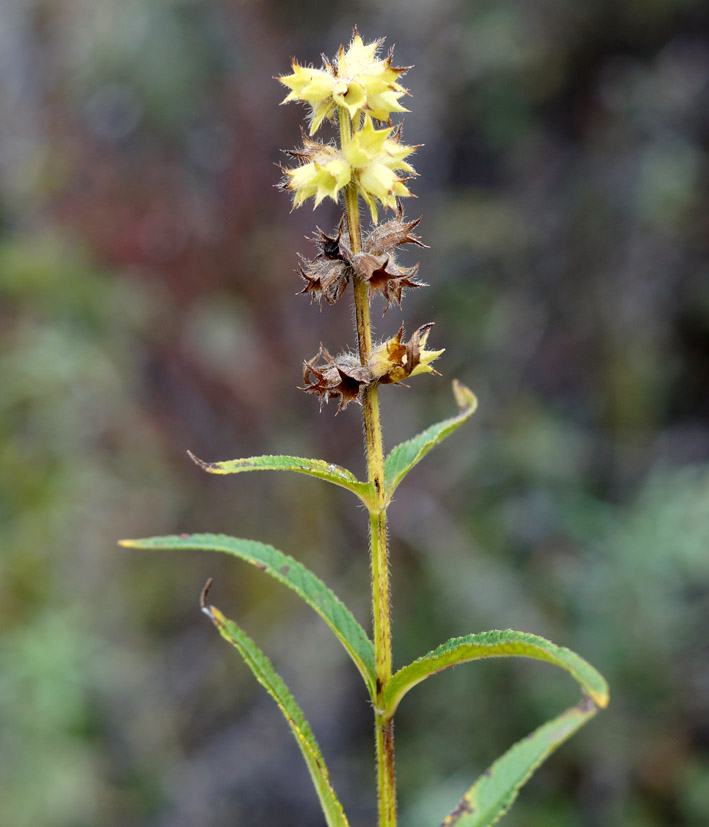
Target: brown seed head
<point>341,376</point>
<point>384,238</point>
<point>328,273</point>
<point>385,276</point>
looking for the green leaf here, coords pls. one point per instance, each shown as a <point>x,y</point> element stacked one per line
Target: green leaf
<point>291,573</point>
<point>266,675</point>
<point>403,457</point>
<point>494,792</point>
<point>312,467</point>
<point>494,644</point>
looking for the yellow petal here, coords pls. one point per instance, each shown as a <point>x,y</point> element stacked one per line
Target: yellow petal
<point>378,180</point>
<point>354,97</point>
<point>424,366</point>
<point>357,57</point>
<point>323,110</point>
<point>367,144</point>
<point>319,87</point>
<point>381,106</point>
<point>400,190</point>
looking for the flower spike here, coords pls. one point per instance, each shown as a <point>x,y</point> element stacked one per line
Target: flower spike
<point>360,89</point>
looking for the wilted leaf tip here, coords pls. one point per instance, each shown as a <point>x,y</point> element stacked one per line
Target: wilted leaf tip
<point>210,467</point>
<point>466,399</point>
<point>208,610</point>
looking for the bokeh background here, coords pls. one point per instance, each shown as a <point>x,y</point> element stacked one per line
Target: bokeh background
<point>147,306</point>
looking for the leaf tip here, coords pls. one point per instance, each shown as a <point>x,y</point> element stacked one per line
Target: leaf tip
<point>205,608</point>
<point>205,593</point>
<point>466,399</point>
<point>207,466</point>
<point>128,543</point>
<point>601,698</point>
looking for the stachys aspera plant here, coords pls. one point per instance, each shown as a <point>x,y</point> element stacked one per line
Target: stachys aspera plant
<point>357,93</point>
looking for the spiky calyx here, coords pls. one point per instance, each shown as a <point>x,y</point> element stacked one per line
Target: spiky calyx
<point>357,80</point>
<point>328,273</point>
<point>345,377</point>
<point>331,377</point>
<point>373,161</point>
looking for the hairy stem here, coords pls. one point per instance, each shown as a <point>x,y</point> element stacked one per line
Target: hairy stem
<point>381,602</point>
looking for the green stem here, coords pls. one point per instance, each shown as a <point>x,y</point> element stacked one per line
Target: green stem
<point>378,539</point>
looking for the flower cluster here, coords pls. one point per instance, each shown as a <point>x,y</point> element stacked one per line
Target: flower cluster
<point>358,91</point>
<point>372,160</point>
<point>363,88</point>
<point>330,271</point>
<point>356,80</point>
<point>393,360</point>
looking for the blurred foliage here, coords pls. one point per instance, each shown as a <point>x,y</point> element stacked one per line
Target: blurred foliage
<point>146,307</point>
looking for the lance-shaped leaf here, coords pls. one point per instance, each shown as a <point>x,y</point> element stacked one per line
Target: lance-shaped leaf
<point>494,792</point>
<point>266,675</point>
<point>291,573</point>
<point>403,457</point>
<point>495,644</point>
<point>318,468</point>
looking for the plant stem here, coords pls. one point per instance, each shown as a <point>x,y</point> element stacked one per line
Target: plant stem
<point>378,539</point>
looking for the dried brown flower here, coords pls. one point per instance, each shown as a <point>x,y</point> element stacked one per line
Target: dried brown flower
<point>324,279</point>
<point>395,360</point>
<point>385,276</point>
<point>329,376</point>
<point>391,234</point>
<point>328,273</point>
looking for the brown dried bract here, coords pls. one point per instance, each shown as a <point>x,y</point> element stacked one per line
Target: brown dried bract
<point>324,279</point>
<point>335,247</point>
<point>385,276</point>
<point>328,273</point>
<point>309,148</point>
<point>392,234</point>
<point>341,376</point>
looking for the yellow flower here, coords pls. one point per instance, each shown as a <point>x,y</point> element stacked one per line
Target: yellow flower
<point>314,87</point>
<point>376,156</point>
<point>372,159</point>
<point>322,173</point>
<point>395,360</point>
<point>357,81</point>
<point>378,78</point>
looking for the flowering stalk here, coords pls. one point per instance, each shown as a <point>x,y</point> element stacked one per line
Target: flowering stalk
<point>359,91</point>
<point>374,158</point>
<point>378,539</point>
<point>358,88</point>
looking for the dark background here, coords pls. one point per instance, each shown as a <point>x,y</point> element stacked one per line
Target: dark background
<point>147,307</point>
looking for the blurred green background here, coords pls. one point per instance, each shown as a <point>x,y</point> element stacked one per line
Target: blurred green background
<point>147,307</point>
